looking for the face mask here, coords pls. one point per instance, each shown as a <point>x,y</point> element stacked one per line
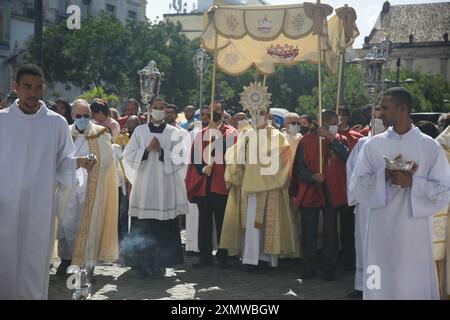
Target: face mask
<point>158,115</point>
<point>304,130</point>
<point>217,116</point>
<point>293,129</point>
<point>242,124</point>
<point>378,126</point>
<point>333,130</point>
<point>82,123</point>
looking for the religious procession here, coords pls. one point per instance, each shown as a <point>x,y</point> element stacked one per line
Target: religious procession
<point>330,203</point>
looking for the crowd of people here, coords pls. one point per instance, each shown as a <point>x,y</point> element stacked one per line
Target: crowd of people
<point>121,188</point>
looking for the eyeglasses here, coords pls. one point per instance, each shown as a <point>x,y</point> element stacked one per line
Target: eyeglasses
<point>86,116</point>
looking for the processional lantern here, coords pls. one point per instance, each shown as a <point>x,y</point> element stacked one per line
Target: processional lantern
<point>201,62</point>
<point>376,64</point>
<point>150,80</point>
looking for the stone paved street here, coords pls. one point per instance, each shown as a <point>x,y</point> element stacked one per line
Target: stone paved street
<point>115,282</point>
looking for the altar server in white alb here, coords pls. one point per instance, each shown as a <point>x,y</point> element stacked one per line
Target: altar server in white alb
<point>154,241</point>
<point>360,212</point>
<point>36,153</point>
<point>398,248</point>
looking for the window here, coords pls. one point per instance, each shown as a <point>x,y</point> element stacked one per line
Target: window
<point>132,15</point>
<point>110,8</point>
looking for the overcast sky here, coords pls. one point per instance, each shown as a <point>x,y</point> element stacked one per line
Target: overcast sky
<point>367,10</point>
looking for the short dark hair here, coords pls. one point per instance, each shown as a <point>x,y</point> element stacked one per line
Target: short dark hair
<point>29,69</point>
<point>136,103</point>
<point>173,107</point>
<point>308,118</point>
<point>205,106</point>
<point>428,128</point>
<point>327,115</point>
<point>99,105</point>
<point>345,111</point>
<point>158,98</point>
<point>400,95</point>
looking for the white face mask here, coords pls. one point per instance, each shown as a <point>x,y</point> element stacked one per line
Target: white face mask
<point>242,124</point>
<point>293,128</point>
<point>158,115</point>
<point>378,126</point>
<point>333,129</point>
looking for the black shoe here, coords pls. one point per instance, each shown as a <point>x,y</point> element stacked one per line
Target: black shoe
<point>250,268</point>
<point>328,276</point>
<point>192,254</point>
<point>202,264</point>
<point>308,274</point>
<point>355,294</point>
<point>223,264</point>
<point>158,273</point>
<point>62,268</point>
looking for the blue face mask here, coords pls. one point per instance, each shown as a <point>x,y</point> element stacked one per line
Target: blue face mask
<point>82,123</point>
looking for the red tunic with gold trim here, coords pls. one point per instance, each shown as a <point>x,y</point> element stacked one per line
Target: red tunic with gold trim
<point>311,194</point>
<point>197,183</point>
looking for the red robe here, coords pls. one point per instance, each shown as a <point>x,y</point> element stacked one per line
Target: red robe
<point>352,137</point>
<point>365,131</point>
<point>195,182</point>
<point>311,195</point>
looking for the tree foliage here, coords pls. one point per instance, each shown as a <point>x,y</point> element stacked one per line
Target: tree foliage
<point>106,54</point>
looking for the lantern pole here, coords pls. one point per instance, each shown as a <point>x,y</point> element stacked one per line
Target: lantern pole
<point>319,53</point>
<point>213,91</point>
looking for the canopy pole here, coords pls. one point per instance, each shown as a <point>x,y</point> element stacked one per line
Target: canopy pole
<point>339,88</point>
<point>213,92</point>
<point>319,53</point>
<point>264,81</point>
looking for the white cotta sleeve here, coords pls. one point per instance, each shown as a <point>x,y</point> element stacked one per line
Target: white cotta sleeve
<point>367,183</point>
<point>66,163</point>
<point>350,166</point>
<point>132,156</point>
<point>431,194</point>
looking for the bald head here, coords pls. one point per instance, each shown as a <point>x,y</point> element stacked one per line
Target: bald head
<point>80,107</point>
<point>189,112</point>
<point>132,123</point>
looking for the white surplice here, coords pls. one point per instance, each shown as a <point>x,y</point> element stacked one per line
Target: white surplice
<point>360,216</point>
<point>35,154</point>
<point>398,249</point>
<point>69,225</point>
<point>154,193</point>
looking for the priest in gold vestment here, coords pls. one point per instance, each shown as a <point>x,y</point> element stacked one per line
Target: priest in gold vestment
<point>88,230</point>
<point>258,223</point>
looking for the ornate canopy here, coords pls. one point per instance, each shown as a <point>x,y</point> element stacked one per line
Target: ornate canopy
<point>264,36</point>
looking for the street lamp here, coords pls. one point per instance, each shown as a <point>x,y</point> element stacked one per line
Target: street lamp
<point>398,82</point>
<point>201,61</point>
<point>375,63</point>
<point>150,80</point>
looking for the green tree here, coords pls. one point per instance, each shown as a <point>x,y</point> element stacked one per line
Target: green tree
<point>98,92</point>
<point>428,91</point>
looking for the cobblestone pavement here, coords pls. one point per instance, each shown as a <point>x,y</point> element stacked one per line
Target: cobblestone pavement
<point>116,282</point>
